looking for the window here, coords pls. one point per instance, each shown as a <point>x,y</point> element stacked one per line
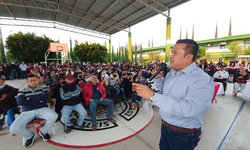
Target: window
<point>222,45</point>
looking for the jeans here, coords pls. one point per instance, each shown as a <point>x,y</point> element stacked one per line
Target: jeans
<point>67,110</point>
<point>10,117</point>
<point>93,105</point>
<point>173,140</point>
<point>133,97</point>
<point>23,74</point>
<point>2,119</point>
<point>118,91</point>
<point>13,75</point>
<point>19,125</point>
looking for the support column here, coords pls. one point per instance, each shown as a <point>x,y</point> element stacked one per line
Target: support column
<point>130,54</point>
<point>2,47</point>
<point>168,39</point>
<point>135,53</point>
<point>70,50</point>
<point>110,50</point>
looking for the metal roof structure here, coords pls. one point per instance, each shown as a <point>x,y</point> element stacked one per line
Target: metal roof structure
<point>101,16</point>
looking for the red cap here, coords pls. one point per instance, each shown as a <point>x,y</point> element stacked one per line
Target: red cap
<point>70,77</point>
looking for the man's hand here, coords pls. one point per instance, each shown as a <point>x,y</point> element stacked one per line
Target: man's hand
<point>91,100</point>
<point>143,91</point>
<point>101,99</point>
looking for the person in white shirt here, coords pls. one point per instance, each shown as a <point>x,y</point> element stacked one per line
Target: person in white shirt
<point>221,76</point>
<point>23,69</point>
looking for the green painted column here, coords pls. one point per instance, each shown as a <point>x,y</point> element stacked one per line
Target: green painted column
<point>168,38</point>
<point>135,53</point>
<point>110,49</point>
<point>130,54</point>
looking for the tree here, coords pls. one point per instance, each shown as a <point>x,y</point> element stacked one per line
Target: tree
<point>235,48</point>
<point>27,47</point>
<point>247,51</point>
<point>201,52</point>
<point>154,56</point>
<point>86,52</point>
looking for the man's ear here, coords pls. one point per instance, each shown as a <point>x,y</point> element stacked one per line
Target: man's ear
<point>189,57</point>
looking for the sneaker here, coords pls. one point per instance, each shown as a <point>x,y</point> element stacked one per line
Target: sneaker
<point>45,137</point>
<point>93,127</point>
<point>111,120</point>
<point>30,141</point>
<point>67,129</point>
<point>82,126</point>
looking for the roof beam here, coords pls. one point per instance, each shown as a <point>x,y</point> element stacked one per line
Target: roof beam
<point>46,5</point>
<point>50,24</point>
<point>25,9</point>
<point>117,13</point>
<point>97,20</point>
<point>11,13</point>
<point>152,7</point>
<point>72,10</point>
<point>57,9</point>
<point>106,10</point>
<point>164,8</point>
<point>130,16</point>
<point>176,3</point>
<point>95,2</point>
<point>54,7</point>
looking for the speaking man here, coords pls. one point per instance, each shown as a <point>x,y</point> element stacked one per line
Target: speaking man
<point>186,94</point>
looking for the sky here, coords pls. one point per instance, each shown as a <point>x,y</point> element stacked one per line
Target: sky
<point>203,14</point>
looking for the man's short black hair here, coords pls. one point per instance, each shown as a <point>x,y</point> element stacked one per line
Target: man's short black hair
<point>191,48</point>
<point>31,75</point>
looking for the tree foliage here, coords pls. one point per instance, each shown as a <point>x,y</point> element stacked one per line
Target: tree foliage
<point>27,47</point>
<point>247,51</point>
<point>201,52</point>
<point>86,52</point>
<point>235,48</point>
<point>154,56</point>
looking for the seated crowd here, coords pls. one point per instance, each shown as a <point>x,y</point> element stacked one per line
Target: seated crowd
<point>81,88</point>
<point>235,72</point>
<point>70,88</point>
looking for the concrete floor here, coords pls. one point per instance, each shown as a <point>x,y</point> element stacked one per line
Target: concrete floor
<point>220,117</point>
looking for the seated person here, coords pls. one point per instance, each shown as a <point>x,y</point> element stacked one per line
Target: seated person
<point>95,94</point>
<point>8,103</point>
<point>114,86</point>
<point>70,94</point>
<point>33,100</point>
<point>240,80</point>
<point>221,76</point>
<point>126,81</point>
<point>56,94</point>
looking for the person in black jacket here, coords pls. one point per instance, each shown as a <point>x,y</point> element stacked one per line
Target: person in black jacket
<point>71,99</point>
<point>56,94</point>
<point>8,103</point>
